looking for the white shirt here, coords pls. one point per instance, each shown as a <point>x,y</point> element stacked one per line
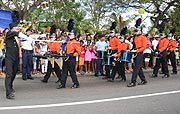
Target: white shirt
<point>43,49</point>
<point>155,43</point>
<point>27,44</point>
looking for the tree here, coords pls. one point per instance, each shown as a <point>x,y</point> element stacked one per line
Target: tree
<point>96,12</point>
<point>24,7</point>
<point>159,8</point>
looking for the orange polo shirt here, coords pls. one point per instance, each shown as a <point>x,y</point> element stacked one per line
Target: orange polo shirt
<point>124,46</point>
<point>163,44</point>
<point>140,42</point>
<point>73,45</point>
<point>172,45</point>
<point>114,43</point>
<point>54,46</point>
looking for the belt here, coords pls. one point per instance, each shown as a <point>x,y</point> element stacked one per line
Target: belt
<point>27,51</point>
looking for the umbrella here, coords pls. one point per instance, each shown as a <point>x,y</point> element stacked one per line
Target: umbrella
<point>5,18</point>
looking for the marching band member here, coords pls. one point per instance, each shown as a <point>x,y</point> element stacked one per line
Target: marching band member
<point>119,65</point>
<point>140,42</point>
<point>124,46</point>
<point>114,44</point>
<point>54,48</point>
<point>72,48</point>
<point>101,46</point>
<point>171,54</point>
<point>162,50</point>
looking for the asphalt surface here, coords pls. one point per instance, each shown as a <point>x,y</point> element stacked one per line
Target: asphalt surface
<point>33,92</point>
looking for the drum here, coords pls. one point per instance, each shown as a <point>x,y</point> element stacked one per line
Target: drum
<point>108,60</point>
<point>126,56</point>
<point>101,54</point>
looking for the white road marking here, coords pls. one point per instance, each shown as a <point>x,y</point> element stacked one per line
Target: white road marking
<point>88,102</point>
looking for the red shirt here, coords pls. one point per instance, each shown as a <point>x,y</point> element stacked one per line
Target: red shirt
<point>172,45</point>
<point>141,43</point>
<point>163,44</point>
<point>82,54</point>
<point>54,46</point>
<point>124,46</point>
<point>114,43</point>
<point>73,45</point>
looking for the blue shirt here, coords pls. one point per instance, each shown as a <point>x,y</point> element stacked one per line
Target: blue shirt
<point>101,45</point>
<point>63,45</point>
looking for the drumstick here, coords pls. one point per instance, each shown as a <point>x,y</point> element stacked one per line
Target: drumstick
<point>48,41</point>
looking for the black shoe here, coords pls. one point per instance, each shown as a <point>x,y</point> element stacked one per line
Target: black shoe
<point>161,73</point>
<point>153,76</point>
<point>10,96</point>
<point>30,77</point>
<point>24,79</point>
<point>174,73</point>
<point>58,81</point>
<point>104,77</point>
<point>96,75</point>
<point>142,82</point>
<point>122,80</point>
<point>75,86</point>
<point>60,86</point>
<point>44,81</point>
<point>110,80</point>
<point>118,77</point>
<point>102,74</point>
<point>131,84</point>
<point>165,76</point>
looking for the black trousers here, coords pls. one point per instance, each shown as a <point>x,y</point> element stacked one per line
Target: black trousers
<point>172,58</point>
<point>118,68</point>
<point>69,65</point>
<point>56,68</point>
<point>137,70</point>
<point>163,61</point>
<point>11,70</point>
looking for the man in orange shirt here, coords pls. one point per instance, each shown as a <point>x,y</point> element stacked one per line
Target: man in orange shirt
<point>140,46</point>
<point>73,48</point>
<point>171,54</point>
<point>54,48</point>
<point>162,50</point>
<point>114,44</point>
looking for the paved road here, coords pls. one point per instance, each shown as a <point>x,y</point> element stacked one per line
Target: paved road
<point>30,93</point>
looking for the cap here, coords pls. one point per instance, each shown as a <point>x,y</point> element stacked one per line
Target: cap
<point>112,31</point>
<point>52,36</point>
<point>137,29</point>
<point>71,33</point>
<point>156,36</point>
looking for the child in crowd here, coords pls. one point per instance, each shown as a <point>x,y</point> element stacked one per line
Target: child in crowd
<point>93,56</point>
<point>177,56</point>
<point>36,49</point>
<point>81,58</point>
<point>88,58</point>
<point>77,64</point>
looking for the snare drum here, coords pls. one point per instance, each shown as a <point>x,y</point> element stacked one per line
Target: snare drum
<point>126,56</point>
<point>108,60</point>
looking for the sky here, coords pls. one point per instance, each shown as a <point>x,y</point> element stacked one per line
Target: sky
<point>145,17</point>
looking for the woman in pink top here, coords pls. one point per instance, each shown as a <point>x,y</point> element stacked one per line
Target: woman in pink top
<point>147,52</point>
<point>88,58</point>
<point>93,57</point>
